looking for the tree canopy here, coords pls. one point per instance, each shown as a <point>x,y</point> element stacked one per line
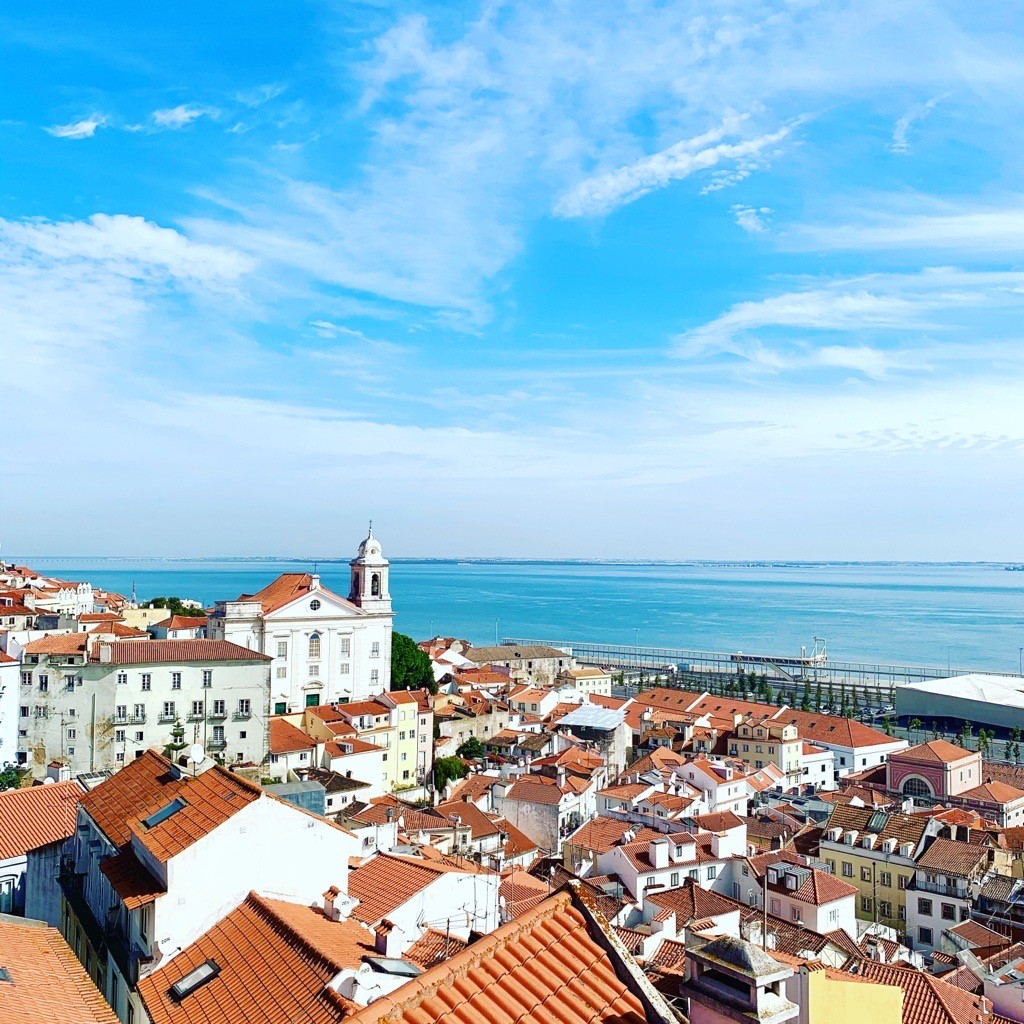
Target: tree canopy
<point>174,606</point>
<point>448,769</point>
<point>410,667</point>
<point>472,749</point>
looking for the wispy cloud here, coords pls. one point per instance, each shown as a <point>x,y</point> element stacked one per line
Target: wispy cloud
<point>604,193</point>
<point>261,94</point>
<point>84,129</point>
<point>901,130</point>
<point>173,118</point>
<point>752,220</point>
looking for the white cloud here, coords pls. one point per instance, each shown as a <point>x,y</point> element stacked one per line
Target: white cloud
<point>606,192</point>
<point>943,227</point>
<point>901,130</point>
<point>261,94</point>
<point>84,129</point>
<point>752,220</point>
<point>173,118</point>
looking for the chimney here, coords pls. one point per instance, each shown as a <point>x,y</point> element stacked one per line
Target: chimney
<point>106,654</point>
<point>560,776</point>
<point>658,853</point>
<point>331,912</point>
<point>386,938</point>
<point>314,582</point>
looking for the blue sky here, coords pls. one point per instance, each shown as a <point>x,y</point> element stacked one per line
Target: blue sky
<point>733,280</point>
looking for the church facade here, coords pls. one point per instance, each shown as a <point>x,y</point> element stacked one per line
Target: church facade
<point>324,648</point>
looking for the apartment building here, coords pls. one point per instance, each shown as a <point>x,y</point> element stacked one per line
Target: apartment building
<point>94,705</point>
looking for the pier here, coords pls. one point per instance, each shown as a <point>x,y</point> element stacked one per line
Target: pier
<point>645,662</point>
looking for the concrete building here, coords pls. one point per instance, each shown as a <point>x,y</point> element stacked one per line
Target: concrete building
<point>941,896</point>
<point>96,706</point>
<point>325,648</point>
<point>587,679</point>
<point>534,665</point>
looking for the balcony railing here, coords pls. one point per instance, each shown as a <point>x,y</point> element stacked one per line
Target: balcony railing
<point>128,719</point>
<point>217,744</point>
<point>218,716</point>
<point>242,716</point>
<point>71,886</point>
<point>165,719</point>
<point>957,892</point>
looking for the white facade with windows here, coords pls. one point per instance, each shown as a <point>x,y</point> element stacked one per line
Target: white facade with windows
<point>99,714</point>
<point>325,648</point>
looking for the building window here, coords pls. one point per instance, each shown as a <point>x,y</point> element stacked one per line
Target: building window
<point>282,672</point>
<point>924,907</point>
<point>219,707</point>
<point>119,758</point>
<point>244,707</point>
<point>345,646</point>
<point>925,935</point>
<point>903,882</point>
<point>865,874</point>
<point>122,678</point>
<point>175,680</point>
<point>139,737</point>
<point>44,683</point>
<point>885,908</point>
<point>242,735</point>
<point>121,712</point>
<point>197,709</point>
<point>314,646</point>
<point>314,671</point>
<point>374,676</point>
<point>375,650</point>
<point>207,677</point>
<point>343,668</point>
<point>314,606</point>
<point>147,681</point>
<point>948,912</point>
<point>24,710</point>
<point>865,904</point>
<point>885,879</point>
<point>282,648</point>
<point>140,712</point>
<point>916,787</point>
<point>280,707</point>
<point>273,759</point>
<point>26,678</point>
<point>168,709</point>
<point>71,734</point>
<point>71,751</point>
<point>673,879</point>
<point>847,870</point>
<point>794,912</point>
<point>831,867</point>
<point>901,912</point>
<point>712,871</point>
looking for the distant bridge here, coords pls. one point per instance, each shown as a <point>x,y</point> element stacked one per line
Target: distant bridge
<point>637,660</point>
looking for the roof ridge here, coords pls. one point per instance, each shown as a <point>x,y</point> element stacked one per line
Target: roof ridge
<point>278,922</point>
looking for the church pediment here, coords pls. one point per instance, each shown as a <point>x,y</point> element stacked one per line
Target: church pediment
<point>330,606</point>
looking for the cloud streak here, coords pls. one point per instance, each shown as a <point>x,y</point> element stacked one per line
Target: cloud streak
<point>84,129</point>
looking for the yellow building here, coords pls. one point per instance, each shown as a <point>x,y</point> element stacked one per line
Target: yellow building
<point>830,997</point>
<point>876,851</point>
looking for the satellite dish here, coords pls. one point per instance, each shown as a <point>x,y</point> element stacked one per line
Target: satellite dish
<point>196,754</point>
<point>47,781</point>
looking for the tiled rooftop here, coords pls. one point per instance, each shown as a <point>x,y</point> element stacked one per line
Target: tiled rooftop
<point>37,816</point>
<point>434,947</point>
<point>154,652</point>
<point>543,968</point>
<point>286,738</point>
<point>47,983</point>
<point>935,752</point>
<point>275,961</point>
<point>387,881</point>
<point>131,879</point>
<point>288,587</point>
<point>950,857</point>
<point>926,999</point>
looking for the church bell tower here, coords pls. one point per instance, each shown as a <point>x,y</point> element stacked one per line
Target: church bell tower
<point>369,589</point>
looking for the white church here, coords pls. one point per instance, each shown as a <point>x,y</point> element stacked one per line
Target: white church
<point>325,648</point>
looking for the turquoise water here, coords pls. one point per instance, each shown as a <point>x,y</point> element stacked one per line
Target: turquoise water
<point>971,616</point>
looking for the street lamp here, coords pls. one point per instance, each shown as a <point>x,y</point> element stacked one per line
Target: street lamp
<point>1020,661</point>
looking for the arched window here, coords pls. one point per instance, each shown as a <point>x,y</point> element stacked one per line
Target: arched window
<point>375,585</point>
<point>917,787</point>
<point>314,645</point>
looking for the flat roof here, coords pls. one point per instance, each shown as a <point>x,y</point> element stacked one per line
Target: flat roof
<point>989,689</point>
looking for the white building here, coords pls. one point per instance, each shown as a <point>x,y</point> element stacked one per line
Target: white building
<point>100,705</point>
<point>812,898</point>
<point>326,649</point>
<point>10,693</point>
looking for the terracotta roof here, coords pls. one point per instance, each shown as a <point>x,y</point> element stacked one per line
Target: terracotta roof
<point>992,792</point>
<point>6,659</point>
<point>935,752</point>
<point>951,857</point>
<point>183,622</point>
<point>286,738</point>
<point>276,960</point>
<point>817,887</point>
<point>926,999</point>
<point>288,587</point>
<point>977,934</point>
<point>152,652</point>
<point>691,903</point>
<point>600,834</point>
<point>434,947</point>
<point>413,818</point>
<point>119,630</point>
<point>387,881</point>
<point>480,824</point>
<point>210,799</point>
<point>37,816</point>
<point>474,786</point>
<point>721,821</point>
<point>518,842</point>
<point>625,791</point>
<point>131,879</point>
<point>535,789</point>
<point>904,828</point>
<point>541,968</point>
<point>58,643</point>
<point>47,983</point>
<point>521,892</point>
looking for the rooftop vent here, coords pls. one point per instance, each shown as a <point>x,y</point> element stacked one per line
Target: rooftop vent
<point>5,975</point>
<point>165,812</point>
<point>195,978</point>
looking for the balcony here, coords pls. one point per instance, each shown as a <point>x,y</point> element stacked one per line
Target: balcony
<point>217,744</point>
<point>128,719</point>
<point>242,716</point>
<point>194,716</point>
<point>166,719</point>
<point>954,891</point>
<point>218,716</point>
<point>71,886</point>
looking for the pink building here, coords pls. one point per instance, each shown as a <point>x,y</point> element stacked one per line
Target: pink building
<point>935,770</point>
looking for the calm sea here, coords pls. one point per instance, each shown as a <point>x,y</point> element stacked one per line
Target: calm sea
<point>964,615</point>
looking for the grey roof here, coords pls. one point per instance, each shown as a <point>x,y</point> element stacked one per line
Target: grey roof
<point>594,716</point>
<point>284,789</point>
<point>989,689</point>
<point>742,955</point>
<point>510,652</point>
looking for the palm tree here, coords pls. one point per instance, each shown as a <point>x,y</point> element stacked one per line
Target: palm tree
<point>913,725</point>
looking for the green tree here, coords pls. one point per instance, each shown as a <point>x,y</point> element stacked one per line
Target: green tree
<point>831,696</point>
<point>887,726</point>
<point>10,776</point>
<point>410,667</point>
<point>472,749</point>
<point>984,741</point>
<point>448,769</point>
<point>174,606</point>
<point>913,725</point>
<point>817,698</point>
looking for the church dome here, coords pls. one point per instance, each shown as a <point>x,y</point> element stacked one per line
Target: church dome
<point>369,549</point>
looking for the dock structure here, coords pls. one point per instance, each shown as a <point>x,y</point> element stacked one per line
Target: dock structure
<point>644,661</point>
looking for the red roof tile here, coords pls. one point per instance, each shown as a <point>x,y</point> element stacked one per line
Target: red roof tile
<point>152,652</point>
<point>926,999</point>
<point>288,587</point>
<point>935,752</point>
<point>434,947</point>
<point>276,960</point>
<point>286,738</point>
<point>541,968</point>
<point>131,879</point>
<point>47,983</point>
<point>58,643</point>
<point>37,816</point>
<point>386,882</point>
